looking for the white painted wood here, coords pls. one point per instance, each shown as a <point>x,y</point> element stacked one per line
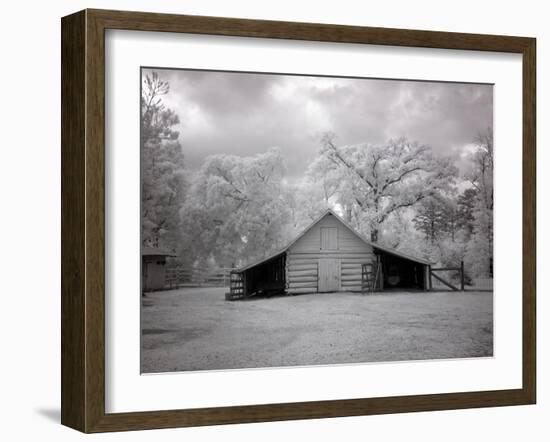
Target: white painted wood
<point>296,257</point>
<point>329,238</point>
<point>303,267</point>
<point>297,291</point>
<point>329,275</point>
<point>348,271</point>
<point>311,284</point>
<point>346,240</point>
<point>298,273</point>
<point>339,249</point>
<point>354,280</point>
<point>312,279</point>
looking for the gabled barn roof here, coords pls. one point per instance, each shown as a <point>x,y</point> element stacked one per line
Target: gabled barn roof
<point>361,237</point>
<point>155,251</point>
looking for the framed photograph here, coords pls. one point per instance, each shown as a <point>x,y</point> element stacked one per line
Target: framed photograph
<point>268,220</point>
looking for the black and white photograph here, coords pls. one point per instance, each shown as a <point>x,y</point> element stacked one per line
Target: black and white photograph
<point>303,220</point>
<point>264,221</point>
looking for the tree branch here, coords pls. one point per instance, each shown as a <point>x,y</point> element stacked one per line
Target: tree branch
<point>347,164</point>
<point>401,176</point>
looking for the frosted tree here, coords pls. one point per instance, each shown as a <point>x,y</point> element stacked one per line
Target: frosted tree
<point>313,194</point>
<point>481,176</point>
<point>399,233</point>
<point>328,190</point>
<point>322,174</point>
<point>480,247</point>
<point>377,181</point>
<point>163,181</point>
<point>466,202</point>
<point>237,208</point>
<point>451,221</point>
<point>307,201</point>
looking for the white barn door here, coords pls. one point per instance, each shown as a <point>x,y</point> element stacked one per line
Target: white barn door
<point>329,275</point>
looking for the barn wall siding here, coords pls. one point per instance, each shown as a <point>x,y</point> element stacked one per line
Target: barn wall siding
<point>303,257</point>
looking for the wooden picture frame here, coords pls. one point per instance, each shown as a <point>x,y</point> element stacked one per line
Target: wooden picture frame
<point>83,220</point>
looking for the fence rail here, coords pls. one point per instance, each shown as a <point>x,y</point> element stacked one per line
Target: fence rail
<point>447,282</point>
<point>197,277</point>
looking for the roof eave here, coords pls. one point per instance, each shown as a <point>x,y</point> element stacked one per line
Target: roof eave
<point>361,237</point>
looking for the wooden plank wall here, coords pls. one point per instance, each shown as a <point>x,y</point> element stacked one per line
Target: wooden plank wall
<point>303,258</point>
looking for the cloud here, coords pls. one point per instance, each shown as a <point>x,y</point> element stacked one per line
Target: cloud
<point>246,113</point>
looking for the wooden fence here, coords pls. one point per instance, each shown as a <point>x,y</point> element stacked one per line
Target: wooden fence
<point>177,277</point>
<point>459,271</point>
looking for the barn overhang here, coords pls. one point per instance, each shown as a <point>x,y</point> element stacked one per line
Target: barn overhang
<point>151,253</point>
<point>266,277</point>
<point>399,271</point>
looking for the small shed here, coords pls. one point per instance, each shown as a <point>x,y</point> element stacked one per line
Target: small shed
<point>153,268</point>
<point>329,256</point>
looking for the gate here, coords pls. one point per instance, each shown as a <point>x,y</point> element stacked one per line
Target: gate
<point>460,270</point>
<point>236,287</point>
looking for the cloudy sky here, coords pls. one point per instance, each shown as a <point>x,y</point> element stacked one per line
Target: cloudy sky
<point>244,113</point>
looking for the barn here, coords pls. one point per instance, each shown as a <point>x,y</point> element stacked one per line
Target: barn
<point>330,256</point>
<point>153,272</point>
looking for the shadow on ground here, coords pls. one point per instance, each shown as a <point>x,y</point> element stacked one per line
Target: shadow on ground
<point>51,414</point>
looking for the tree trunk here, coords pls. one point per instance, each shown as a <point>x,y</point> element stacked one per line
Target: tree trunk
<point>374,235</point>
<point>348,214</point>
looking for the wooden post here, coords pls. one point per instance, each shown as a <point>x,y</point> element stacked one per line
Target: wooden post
<point>462,275</point>
<point>430,278</point>
<point>426,276</point>
<point>381,272</point>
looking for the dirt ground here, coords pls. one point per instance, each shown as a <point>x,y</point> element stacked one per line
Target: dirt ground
<point>196,329</point>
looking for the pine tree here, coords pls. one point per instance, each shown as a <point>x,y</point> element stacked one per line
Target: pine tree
<point>163,182</point>
<point>430,219</point>
<point>466,207</point>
